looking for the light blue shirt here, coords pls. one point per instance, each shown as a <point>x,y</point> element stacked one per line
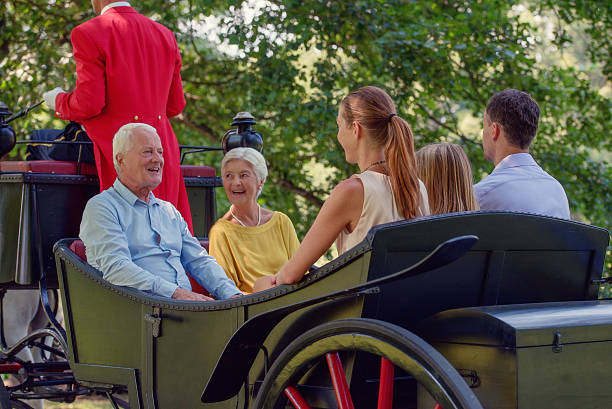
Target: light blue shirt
<point>147,245</point>
<point>519,184</point>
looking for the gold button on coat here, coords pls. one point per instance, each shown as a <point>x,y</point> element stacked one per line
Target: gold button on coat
<point>135,117</point>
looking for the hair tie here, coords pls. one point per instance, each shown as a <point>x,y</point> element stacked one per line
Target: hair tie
<point>391,116</point>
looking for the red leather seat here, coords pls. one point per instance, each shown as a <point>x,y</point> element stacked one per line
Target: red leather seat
<point>195,287</point>
<point>47,166</point>
<point>193,171</point>
<point>70,168</point>
<point>78,248</point>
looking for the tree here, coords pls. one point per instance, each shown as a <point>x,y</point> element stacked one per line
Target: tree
<point>440,61</point>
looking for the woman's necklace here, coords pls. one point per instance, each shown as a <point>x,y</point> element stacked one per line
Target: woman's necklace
<point>240,221</point>
<point>380,162</point>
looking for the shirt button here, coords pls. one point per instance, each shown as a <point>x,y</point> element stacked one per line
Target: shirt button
<point>135,117</point>
<point>159,117</point>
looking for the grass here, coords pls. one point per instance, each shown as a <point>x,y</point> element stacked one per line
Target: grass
<point>83,402</point>
<point>80,404</point>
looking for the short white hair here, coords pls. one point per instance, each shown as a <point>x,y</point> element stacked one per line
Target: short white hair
<point>122,141</point>
<point>252,156</point>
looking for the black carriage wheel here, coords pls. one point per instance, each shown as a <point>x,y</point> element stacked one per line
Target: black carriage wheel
<point>395,346</point>
<point>16,404</point>
<point>7,403</point>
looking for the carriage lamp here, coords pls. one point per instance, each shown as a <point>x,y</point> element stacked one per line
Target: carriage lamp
<point>244,136</point>
<point>7,135</point>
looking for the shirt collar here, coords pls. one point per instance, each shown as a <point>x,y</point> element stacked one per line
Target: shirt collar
<point>115,4</point>
<point>130,197</point>
<point>516,159</point>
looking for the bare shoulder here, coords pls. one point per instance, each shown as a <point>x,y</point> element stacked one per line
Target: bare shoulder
<point>348,188</point>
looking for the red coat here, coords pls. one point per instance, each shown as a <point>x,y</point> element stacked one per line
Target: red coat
<point>128,70</point>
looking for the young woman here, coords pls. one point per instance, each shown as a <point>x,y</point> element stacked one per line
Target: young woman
<point>445,169</point>
<point>249,241</point>
<point>386,189</point>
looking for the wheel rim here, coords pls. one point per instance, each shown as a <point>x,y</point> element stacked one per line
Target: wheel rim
<point>395,346</point>
<point>358,343</point>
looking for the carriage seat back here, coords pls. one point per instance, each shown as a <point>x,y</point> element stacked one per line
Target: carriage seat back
<point>519,258</point>
<point>70,168</point>
<point>194,171</point>
<point>78,248</point>
<point>48,166</point>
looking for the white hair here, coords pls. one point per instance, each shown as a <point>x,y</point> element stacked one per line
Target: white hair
<point>252,156</point>
<point>122,141</point>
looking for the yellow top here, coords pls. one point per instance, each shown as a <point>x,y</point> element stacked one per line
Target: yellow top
<point>249,252</point>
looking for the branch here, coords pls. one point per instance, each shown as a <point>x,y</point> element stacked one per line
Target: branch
<point>197,107</point>
<point>203,129</point>
<point>50,10</point>
<point>443,125</point>
<point>309,196</point>
<point>226,81</point>
<point>473,81</point>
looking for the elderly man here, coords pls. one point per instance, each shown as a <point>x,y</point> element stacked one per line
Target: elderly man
<point>140,241</point>
<point>128,70</point>
<point>517,183</point>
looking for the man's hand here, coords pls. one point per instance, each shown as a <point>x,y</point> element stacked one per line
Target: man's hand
<point>49,97</point>
<point>182,294</point>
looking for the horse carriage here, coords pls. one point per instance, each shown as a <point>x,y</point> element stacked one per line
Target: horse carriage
<point>467,310</point>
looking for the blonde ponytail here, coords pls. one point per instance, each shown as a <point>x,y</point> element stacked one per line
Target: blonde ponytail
<point>399,153</point>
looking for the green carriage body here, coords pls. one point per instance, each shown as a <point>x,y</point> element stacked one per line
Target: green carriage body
<point>236,353</point>
<point>171,346</point>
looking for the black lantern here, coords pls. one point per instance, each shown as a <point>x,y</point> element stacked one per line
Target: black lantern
<point>7,135</point>
<point>244,136</point>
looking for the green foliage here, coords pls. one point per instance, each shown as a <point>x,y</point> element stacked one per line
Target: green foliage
<point>295,60</point>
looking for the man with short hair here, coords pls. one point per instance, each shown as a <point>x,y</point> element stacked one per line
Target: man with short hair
<point>517,183</point>
<point>139,241</point>
<point>128,70</point>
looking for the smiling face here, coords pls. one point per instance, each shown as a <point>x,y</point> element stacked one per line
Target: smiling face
<point>140,168</point>
<point>240,182</point>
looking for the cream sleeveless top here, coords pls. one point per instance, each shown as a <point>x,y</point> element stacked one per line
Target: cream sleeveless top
<point>378,207</point>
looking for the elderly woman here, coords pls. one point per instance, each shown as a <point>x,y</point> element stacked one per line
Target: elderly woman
<point>249,241</point>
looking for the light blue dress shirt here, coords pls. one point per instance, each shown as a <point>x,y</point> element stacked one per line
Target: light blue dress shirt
<point>147,245</point>
<point>519,184</point>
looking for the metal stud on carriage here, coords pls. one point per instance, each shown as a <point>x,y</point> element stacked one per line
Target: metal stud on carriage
<point>494,317</point>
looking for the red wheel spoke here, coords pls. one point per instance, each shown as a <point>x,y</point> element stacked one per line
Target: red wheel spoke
<point>296,398</point>
<point>385,388</point>
<point>343,395</point>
